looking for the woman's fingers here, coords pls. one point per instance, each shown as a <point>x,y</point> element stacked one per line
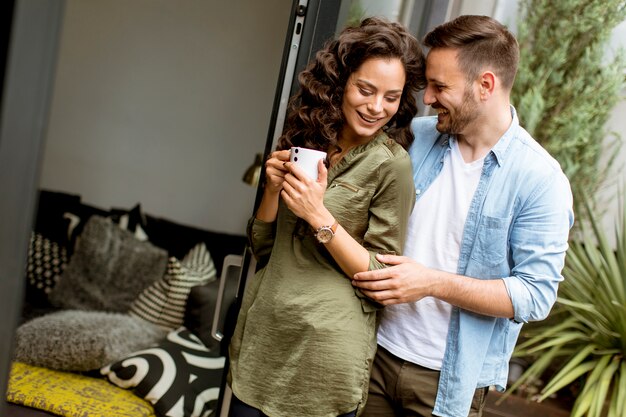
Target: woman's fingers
<point>275,169</point>
<point>280,155</point>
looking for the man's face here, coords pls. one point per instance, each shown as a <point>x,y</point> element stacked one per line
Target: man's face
<point>449,93</point>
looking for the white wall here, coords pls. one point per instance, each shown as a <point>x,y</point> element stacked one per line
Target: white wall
<point>165,104</point>
<point>616,180</point>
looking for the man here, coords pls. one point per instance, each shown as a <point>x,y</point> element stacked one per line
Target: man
<point>486,241</point>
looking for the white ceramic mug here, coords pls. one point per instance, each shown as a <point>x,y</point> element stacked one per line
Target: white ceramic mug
<point>307,159</point>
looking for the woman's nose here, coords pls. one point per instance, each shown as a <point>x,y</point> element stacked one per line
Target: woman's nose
<point>375,105</point>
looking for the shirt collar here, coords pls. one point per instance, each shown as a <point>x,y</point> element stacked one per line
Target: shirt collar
<point>500,149</point>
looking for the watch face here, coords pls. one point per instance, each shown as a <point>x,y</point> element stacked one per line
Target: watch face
<point>324,235</point>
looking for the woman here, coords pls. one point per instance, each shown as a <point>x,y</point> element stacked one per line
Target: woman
<point>304,339</point>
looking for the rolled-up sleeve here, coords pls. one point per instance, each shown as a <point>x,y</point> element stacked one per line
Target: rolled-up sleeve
<point>261,237</point>
<point>539,241</point>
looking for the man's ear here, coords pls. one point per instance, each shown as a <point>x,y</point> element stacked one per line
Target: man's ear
<point>487,84</point>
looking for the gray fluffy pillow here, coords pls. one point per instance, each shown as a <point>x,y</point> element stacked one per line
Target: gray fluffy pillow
<point>108,269</point>
<point>74,340</point>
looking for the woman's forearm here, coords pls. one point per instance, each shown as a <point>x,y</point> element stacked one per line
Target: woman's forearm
<point>347,252</point>
<point>268,208</point>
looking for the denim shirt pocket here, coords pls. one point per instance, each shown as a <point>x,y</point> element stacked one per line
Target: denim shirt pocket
<point>492,244</point>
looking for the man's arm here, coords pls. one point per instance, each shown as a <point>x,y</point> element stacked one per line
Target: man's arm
<point>538,241</point>
<point>407,281</point>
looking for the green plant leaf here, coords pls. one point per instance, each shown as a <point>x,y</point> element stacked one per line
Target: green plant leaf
<point>535,370</point>
<point>570,371</point>
<point>560,340</point>
<point>594,319</point>
<point>591,382</point>
<point>542,337</point>
<point>603,386</point>
<point>558,382</point>
<point>593,396</point>
<point>618,400</point>
<point>583,403</point>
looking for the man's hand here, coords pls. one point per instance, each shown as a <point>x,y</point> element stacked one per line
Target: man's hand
<point>406,281</point>
<point>403,281</point>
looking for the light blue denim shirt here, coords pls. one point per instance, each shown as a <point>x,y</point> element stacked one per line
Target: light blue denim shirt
<point>517,230</point>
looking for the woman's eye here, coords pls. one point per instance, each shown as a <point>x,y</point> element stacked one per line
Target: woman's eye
<point>365,92</point>
<point>392,99</point>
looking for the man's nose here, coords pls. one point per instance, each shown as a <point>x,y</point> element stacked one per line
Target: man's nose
<point>429,96</point>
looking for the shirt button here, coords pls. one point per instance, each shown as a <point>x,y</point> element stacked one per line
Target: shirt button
<point>418,192</point>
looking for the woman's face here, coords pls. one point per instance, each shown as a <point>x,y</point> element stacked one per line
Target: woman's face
<point>371,98</point>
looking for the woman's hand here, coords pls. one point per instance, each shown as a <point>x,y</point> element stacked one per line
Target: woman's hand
<point>305,196</point>
<point>275,171</point>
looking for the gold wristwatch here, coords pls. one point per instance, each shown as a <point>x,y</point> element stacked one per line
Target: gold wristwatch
<point>326,233</point>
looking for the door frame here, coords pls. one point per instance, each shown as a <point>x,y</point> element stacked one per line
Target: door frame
<point>27,90</point>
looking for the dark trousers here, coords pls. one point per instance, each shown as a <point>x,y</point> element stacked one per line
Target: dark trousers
<point>404,389</point>
<point>240,409</point>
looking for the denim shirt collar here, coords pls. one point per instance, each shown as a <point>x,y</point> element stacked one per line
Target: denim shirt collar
<point>501,148</point>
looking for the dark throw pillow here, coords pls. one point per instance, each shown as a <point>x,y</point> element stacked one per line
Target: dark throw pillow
<point>200,312</point>
<point>108,269</point>
<point>179,376</point>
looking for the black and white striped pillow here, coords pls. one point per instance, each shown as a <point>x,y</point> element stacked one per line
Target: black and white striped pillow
<point>180,376</point>
<point>163,303</point>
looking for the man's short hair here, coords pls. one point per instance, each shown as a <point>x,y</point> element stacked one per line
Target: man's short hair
<point>482,43</point>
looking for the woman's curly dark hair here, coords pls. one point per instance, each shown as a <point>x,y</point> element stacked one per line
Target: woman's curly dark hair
<point>315,118</point>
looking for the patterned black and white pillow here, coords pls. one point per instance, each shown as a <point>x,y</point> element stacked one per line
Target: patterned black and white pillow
<point>46,262</point>
<point>163,303</point>
<point>179,376</point>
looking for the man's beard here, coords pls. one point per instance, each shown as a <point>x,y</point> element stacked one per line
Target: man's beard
<point>463,116</point>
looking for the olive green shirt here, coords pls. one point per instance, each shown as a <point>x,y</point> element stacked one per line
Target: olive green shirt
<point>305,339</point>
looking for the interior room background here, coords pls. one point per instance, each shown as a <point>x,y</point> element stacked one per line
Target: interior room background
<point>150,107</point>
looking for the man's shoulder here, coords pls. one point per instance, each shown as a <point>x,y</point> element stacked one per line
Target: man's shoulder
<point>424,126</point>
<point>425,131</point>
<point>530,164</point>
<point>536,153</point>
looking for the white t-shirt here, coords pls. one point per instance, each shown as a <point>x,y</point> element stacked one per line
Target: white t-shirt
<point>417,331</point>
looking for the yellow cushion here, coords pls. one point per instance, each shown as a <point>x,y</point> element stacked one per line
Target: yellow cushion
<point>72,395</point>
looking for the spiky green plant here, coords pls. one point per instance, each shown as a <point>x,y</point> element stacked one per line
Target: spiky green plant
<point>587,330</point>
<point>567,85</point>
